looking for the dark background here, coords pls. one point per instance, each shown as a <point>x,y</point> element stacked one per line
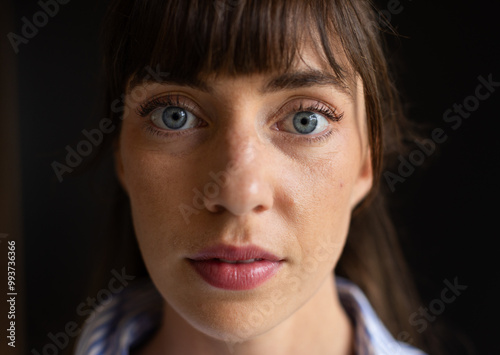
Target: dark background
<point>447,209</point>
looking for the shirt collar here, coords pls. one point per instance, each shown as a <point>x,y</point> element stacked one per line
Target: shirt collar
<point>132,316</point>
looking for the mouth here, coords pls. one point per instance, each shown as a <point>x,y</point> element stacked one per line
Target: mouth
<point>239,261</point>
<point>235,268</point>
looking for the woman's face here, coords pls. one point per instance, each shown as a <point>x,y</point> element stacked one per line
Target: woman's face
<point>274,161</point>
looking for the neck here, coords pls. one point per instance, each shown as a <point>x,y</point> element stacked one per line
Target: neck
<point>320,326</point>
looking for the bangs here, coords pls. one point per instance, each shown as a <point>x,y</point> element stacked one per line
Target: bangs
<point>188,39</point>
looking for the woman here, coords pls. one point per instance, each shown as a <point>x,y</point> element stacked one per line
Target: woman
<point>250,146</point>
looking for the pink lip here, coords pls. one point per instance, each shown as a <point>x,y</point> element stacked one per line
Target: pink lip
<point>239,276</point>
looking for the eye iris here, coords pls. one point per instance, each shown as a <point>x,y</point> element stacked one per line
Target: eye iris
<point>174,117</point>
<point>305,122</point>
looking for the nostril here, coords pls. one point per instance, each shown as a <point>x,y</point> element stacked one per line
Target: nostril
<point>259,209</point>
<point>215,208</point>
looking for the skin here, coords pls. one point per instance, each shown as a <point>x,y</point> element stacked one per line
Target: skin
<point>283,193</point>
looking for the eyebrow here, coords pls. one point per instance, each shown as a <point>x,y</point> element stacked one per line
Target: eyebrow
<point>286,81</point>
<point>304,79</point>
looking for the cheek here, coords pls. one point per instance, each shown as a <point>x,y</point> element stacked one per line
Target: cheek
<point>325,182</point>
<point>322,189</point>
<point>156,188</point>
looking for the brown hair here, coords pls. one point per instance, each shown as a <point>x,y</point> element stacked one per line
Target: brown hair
<point>189,38</point>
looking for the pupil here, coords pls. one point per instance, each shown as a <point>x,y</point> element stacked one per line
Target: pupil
<point>174,117</point>
<point>305,122</point>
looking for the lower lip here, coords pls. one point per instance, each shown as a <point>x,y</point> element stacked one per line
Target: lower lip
<point>238,276</point>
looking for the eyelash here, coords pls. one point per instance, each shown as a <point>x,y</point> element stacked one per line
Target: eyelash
<point>164,101</point>
<point>321,109</point>
<point>174,100</point>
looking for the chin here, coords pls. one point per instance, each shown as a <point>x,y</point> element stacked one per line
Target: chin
<point>237,332</point>
<point>230,321</point>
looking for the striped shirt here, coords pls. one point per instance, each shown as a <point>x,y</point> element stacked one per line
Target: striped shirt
<point>129,318</point>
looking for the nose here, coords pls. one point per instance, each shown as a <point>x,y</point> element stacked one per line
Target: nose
<point>245,185</point>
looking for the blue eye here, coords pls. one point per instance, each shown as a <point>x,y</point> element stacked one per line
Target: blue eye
<point>305,123</point>
<point>173,118</point>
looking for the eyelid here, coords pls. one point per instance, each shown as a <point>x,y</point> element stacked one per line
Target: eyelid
<point>165,100</point>
<point>309,104</point>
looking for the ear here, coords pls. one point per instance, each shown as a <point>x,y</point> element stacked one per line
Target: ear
<point>119,164</point>
<point>364,181</point>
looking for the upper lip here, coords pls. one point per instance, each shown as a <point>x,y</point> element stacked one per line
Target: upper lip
<point>234,253</point>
